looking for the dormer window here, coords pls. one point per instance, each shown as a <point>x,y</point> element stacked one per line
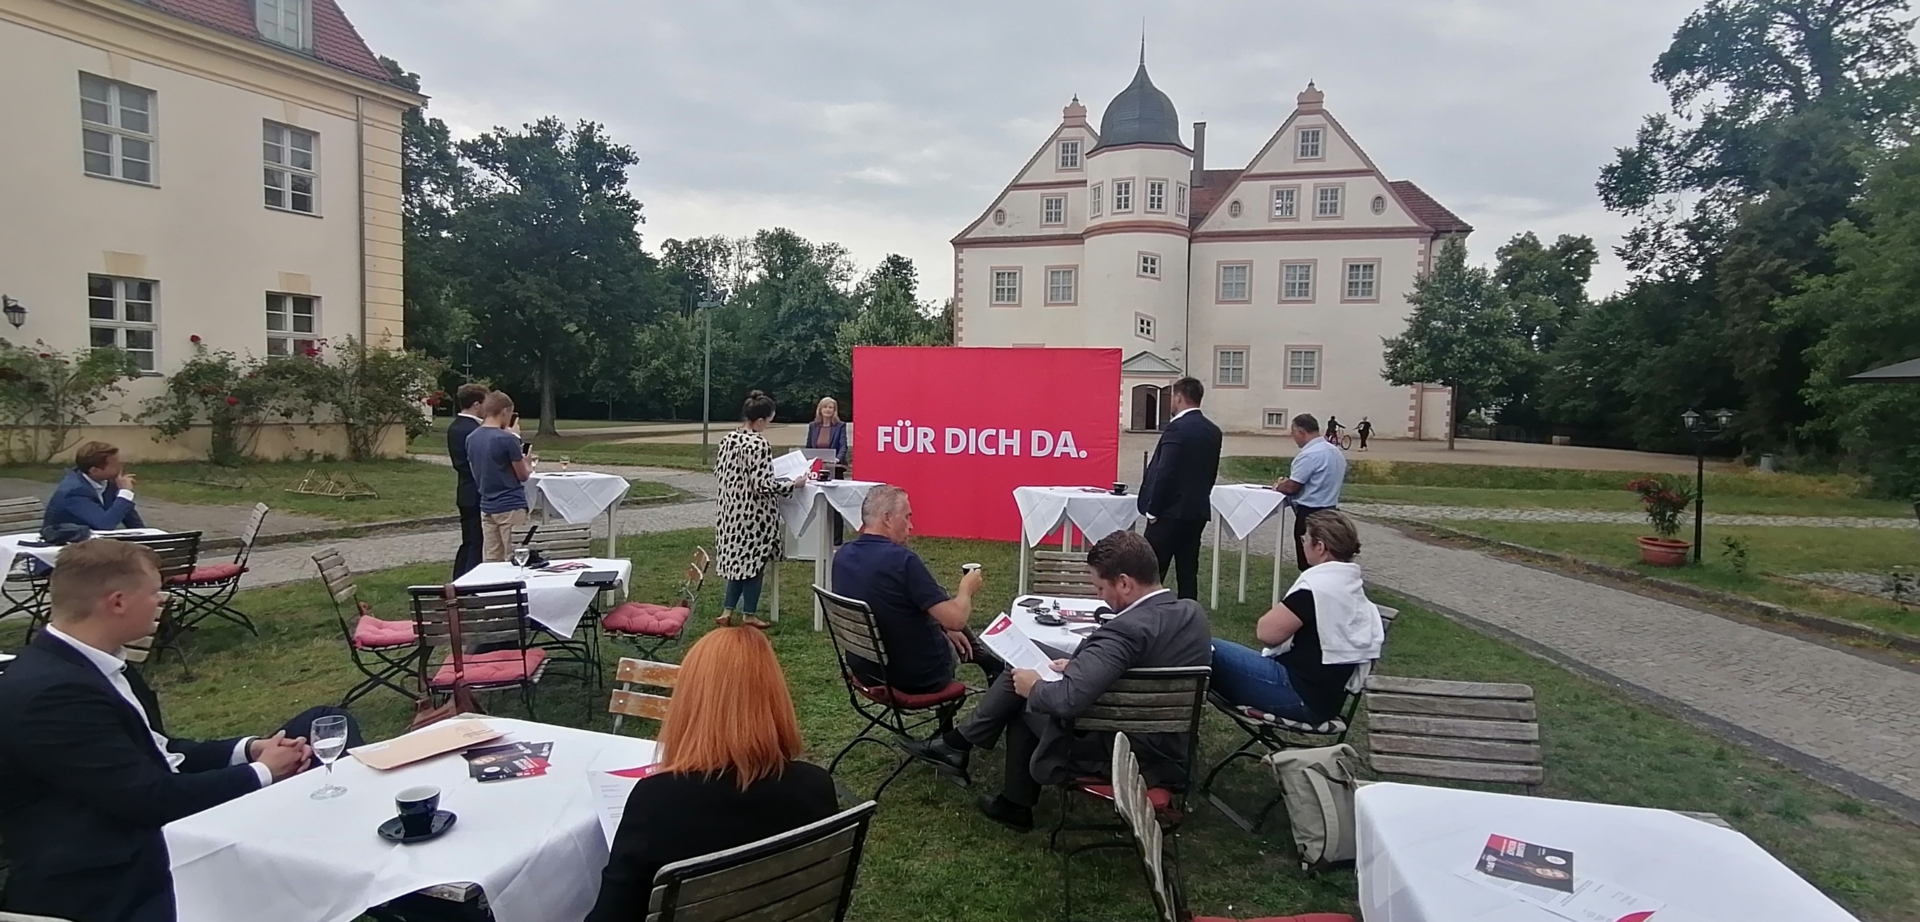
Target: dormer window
<point>285,22</point>
<point>1070,154</point>
<point>1309,147</point>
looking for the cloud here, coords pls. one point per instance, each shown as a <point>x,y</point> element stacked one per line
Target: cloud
<point>889,127</point>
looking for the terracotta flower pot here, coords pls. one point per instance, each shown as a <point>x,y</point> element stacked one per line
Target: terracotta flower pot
<point>1664,552</point>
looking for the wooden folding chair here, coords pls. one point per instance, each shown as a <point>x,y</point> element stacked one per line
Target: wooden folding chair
<point>806,875</point>
<point>557,541</point>
<point>1061,574</point>
<point>630,701</point>
<point>891,716</point>
<point>179,553</point>
<point>25,589</point>
<point>208,591</point>
<point>1456,731</point>
<point>383,651</point>
<point>650,626</point>
<point>491,614</point>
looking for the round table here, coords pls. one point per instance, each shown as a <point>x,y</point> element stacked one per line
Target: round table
<point>1095,511</point>
<point>579,497</point>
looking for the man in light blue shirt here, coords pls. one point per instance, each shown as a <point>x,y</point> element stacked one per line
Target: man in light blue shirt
<point>1313,482</point>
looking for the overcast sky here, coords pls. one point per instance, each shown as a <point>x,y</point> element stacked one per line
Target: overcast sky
<point>890,126</point>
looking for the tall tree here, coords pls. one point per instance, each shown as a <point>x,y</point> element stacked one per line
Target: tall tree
<point>1546,287</point>
<point>549,250</point>
<point>434,185</point>
<point>889,314</point>
<point>1461,334</point>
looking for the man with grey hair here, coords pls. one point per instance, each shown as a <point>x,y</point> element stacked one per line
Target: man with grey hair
<point>925,631</point>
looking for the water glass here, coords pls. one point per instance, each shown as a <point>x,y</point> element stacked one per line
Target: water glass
<point>329,740</point>
<point>521,555</point>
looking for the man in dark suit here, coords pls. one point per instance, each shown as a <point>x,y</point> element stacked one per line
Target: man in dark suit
<point>87,775</point>
<point>96,494</point>
<point>1152,629</point>
<point>466,495</point>
<point>1176,495</point>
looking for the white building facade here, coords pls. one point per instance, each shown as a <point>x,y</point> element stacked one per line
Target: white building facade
<point>1273,284</point>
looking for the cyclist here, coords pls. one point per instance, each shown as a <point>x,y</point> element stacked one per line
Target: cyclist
<point>1333,430</point>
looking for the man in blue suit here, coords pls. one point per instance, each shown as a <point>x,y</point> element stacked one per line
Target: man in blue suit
<point>1176,495</point>
<point>97,493</point>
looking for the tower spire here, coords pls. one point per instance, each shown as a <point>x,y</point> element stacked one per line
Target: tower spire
<point>1143,41</point>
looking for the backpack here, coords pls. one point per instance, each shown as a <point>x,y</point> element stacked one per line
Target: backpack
<point>1318,785</point>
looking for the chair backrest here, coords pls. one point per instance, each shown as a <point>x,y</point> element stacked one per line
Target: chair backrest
<point>806,874</point>
<point>251,532</point>
<point>1062,574</point>
<point>696,577</point>
<point>634,674</point>
<point>178,551</point>
<point>19,516</point>
<point>851,626</point>
<point>336,577</point>
<point>1459,731</point>
<point>492,613</point>
<point>559,541</point>
<point>1163,699</point>
<point>1130,801</point>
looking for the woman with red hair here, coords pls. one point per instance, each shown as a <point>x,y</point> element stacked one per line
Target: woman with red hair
<point>729,772</point>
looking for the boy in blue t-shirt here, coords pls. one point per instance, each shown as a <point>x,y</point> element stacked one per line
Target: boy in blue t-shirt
<point>501,466</point>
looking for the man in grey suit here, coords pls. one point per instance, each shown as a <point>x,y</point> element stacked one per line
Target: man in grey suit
<point>1152,629</point>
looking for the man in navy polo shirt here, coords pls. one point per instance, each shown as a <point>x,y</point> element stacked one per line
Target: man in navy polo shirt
<point>925,631</point>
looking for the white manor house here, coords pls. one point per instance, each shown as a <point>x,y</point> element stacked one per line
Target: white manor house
<point>1273,284</point>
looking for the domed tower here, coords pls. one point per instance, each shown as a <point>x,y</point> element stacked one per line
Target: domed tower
<point>1136,234</point>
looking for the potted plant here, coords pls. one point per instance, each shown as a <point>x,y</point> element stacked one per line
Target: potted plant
<point>1664,501</point>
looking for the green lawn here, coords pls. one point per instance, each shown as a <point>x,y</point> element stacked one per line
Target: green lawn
<point>407,489</point>
<point>582,445</point>
<point>1481,476</point>
<point>1771,552</point>
<point>1618,500</point>
<point>931,857</point>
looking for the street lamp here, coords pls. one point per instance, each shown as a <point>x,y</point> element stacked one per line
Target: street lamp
<point>470,347</point>
<point>15,311</point>
<point>1702,428</point>
<point>707,303</point>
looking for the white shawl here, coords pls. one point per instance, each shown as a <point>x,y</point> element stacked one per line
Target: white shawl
<point>1349,624</point>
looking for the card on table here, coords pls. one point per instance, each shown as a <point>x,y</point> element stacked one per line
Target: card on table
<point>511,760</point>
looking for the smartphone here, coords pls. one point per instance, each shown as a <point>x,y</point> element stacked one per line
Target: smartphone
<point>514,420</point>
<point>526,448</point>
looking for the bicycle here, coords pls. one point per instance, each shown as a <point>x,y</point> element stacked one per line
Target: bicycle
<point>1345,442</point>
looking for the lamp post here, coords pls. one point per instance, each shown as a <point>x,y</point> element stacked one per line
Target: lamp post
<point>707,304</point>
<point>470,347</point>
<point>1702,428</point>
<point>15,311</point>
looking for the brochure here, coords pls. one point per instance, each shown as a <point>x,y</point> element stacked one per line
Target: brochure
<point>1544,877</point>
<point>1527,863</point>
<point>791,465</point>
<point>512,760</point>
<point>426,743</point>
<point>611,787</point>
<point>1011,644</point>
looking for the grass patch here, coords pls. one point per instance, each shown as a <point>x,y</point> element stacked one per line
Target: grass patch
<point>583,446</point>
<point>931,857</point>
<point>1617,500</point>
<point>1772,552</point>
<point>1490,477</point>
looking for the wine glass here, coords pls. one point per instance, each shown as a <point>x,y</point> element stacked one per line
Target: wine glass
<point>521,555</point>
<point>329,740</point>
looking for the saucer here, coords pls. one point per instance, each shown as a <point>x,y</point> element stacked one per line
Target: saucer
<point>442,821</point>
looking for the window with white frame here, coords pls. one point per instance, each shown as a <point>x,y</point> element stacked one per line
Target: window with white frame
<point>1060,285</point>
<point>1230,367</point>
<point>1070,154</point>
<point>285,22</point>
<point>292,324</point>
<point>1286,202</point>
<point>1234,283</point>
<point>1296,281</point>
<point>116,129</point>
<point>120,315</point>
<point>1309,147</point>
<point>1006,286</point>
<point>1150,265</point>
<point>1143,326</point>
<point>292,176</point>
<point>1275,419</point>
<point>1053,209</point>
<point>1363,281</point>
<point>1303,368</point>
<point>1180,199</point>
<point>1093,200</point>
<point>1157,196</point>
<point>1122,195</point>
<point>1326,201</point>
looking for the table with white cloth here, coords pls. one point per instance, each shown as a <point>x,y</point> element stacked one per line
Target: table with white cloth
<point>552,598</point>
<point>12,546</point>
<point>812,513</point>
<point>1062,637</point>
<point>1418,846</point>
<point>1095,511</point>
<point>578,497</point>
<point>534,846</point>
<point>1239,508</point>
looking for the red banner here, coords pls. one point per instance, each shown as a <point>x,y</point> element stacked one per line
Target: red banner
<point>958,429</point>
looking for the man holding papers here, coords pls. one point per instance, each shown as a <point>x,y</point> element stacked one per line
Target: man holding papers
<point>1152,629</point>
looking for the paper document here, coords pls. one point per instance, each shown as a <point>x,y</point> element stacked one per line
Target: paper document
<point>791,465</point>
<point>612,785</point>
<point>1011,644</point>
<point>425,744</point>
<point>1589,901</point>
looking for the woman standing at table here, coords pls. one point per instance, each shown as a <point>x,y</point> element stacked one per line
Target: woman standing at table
<point>729,774</point>
<point>828,430</point>
<point>747,535</point>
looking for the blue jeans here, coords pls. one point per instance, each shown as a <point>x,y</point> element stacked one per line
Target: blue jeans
<point>743,595</point>
<point>1243,676</point>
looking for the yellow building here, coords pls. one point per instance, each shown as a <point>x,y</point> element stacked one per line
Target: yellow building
<point>181,171</point>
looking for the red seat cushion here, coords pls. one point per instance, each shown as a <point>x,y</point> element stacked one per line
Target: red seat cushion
<point>370,632</point>
<point>211,573</point>
<point>646,618</point>
<point>498,667</point>
<point>1160,798</point>
<point>887,695</point>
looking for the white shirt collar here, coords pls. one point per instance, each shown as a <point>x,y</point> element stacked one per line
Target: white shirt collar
<point>109,664</point>
<point>1136,602</point>
<point>472,417</point>
<point>1184,412</point>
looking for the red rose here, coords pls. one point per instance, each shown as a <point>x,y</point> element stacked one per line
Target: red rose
<point>195,339</point>
<point>433,401</point>
<point>233,401</point>
<point>311,352</point>
<point>46,355</point>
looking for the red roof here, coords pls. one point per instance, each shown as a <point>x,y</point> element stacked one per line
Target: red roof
<point>335,41</point>
<point>1213,185</point>
<point>1429,212</point>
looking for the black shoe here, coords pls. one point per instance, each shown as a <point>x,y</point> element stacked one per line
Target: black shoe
<point>1006,813</point>
<point>936,751</point>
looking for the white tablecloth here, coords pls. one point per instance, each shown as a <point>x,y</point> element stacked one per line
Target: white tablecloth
<point>1058,637</point>
<point>1097,513</point>
<point>534,845</point>
<point>552,598</point>
<point>10,545</point>
<point>1415,840</point>
<point>1242,507</point>
<point>800,507</point>
<point>577,496</point>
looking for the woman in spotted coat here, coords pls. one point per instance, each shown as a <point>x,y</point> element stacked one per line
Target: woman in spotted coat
<point>748,533</point>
